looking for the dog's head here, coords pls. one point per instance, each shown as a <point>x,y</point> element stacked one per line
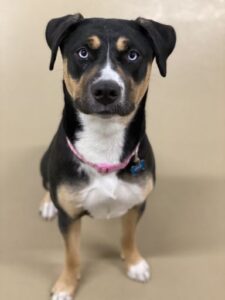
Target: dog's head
<point>107,62</point>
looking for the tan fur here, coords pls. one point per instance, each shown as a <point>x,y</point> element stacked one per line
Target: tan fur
<point>46,198</point>
<point>68,198</point>
<point>94,42</point>
<point>67,281</point>
<point>87,76</point>
<point>138,90</point>
<point>148,187</point>
<point>72,85</point>
<point>121,43</point>
<point>75,87</point>
<point>130,251</point>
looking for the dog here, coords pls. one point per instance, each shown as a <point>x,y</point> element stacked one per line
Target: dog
<point>100,162</point>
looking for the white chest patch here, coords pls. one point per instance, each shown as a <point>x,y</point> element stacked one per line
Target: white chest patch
<point>101,140</point>
<point>107,196</point>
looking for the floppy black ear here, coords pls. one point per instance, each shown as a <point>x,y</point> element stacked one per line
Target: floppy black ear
<point>163,39</point>
<point>56,30</point>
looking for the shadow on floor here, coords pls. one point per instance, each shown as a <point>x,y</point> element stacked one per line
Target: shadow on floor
<point>183,215</point>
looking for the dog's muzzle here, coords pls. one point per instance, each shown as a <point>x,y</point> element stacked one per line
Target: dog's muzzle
<point>106,92</point>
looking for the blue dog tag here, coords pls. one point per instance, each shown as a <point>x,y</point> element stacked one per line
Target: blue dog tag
<point>138,167</point>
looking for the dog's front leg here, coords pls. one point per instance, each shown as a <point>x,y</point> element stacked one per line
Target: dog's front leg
<point>137,267</point>
<point>65,286</point>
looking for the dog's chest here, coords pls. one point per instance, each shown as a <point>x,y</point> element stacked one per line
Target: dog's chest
<point>107,196</point>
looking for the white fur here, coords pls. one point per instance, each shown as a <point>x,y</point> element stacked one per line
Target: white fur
<point>140,271</point>
<point>108,73</point>
<point>48,210</point>
<point>61,296</point>
<point>107,196</point>
<point>101,140</point>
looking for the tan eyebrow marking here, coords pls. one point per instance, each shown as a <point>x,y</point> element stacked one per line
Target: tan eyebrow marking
<point>94,42</point>
<point>122,43</point>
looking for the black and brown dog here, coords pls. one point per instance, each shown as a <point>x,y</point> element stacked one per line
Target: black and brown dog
<point>100,162</point>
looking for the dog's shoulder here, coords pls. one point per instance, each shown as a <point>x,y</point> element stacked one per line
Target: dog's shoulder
<point>59,164</point>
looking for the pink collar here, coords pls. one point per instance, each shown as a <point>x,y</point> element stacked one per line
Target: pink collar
<point>102,167</point>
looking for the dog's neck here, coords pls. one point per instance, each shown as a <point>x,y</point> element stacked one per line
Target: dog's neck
<point>103,140</point>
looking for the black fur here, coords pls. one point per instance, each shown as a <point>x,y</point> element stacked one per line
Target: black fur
<point>56,32</point>
<point>70,119</point>
<point>151,39</point>
<point>163,39</point>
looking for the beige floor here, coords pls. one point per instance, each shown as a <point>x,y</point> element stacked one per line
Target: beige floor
<point>182,233</point>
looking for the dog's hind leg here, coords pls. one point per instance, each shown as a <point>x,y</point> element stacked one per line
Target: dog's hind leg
<point>136,265</point>
<point>47,208</point>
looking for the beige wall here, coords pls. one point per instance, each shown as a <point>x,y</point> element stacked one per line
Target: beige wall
<point>186,111</point>
<point>183,229</point>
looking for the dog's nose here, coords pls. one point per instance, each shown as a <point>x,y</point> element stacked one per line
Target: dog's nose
<point>106,91</point>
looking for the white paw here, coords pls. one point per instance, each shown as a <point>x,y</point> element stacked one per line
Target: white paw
<point>61,296</point>
<point>140,271</point>
<point>48,210</point>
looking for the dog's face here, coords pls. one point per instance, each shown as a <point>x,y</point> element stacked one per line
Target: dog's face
<point>107,62</point>
<point>107,66</point>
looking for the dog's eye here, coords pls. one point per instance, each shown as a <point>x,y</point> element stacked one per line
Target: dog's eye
<point>83,53</point>
<point>133,55</point>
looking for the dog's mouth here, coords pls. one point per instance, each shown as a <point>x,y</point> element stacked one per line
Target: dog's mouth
<point>105,111</point>
<point>104,114</point>
<point>121,111</point>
